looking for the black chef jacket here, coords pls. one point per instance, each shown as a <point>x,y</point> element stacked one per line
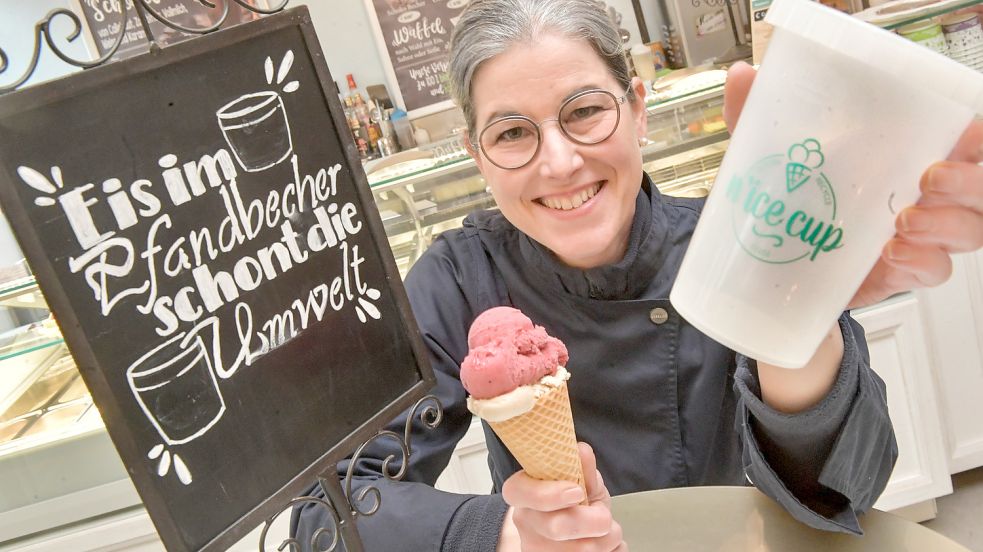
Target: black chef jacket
<point>662,404</point>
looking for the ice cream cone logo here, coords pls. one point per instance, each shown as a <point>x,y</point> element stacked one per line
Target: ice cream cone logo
<point>784,207</point>
<point>803,159</point>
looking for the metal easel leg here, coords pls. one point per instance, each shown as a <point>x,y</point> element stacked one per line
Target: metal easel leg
<point>346,524</point>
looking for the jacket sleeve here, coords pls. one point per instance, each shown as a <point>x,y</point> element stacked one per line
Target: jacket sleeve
<point>413,515</point>
<point>831,462</point>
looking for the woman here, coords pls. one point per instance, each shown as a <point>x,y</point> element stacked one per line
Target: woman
<point>587,247</point>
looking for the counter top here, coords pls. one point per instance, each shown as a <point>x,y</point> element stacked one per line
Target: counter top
<point>731,519</point>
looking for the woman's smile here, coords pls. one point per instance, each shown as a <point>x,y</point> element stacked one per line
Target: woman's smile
<point>572,201</point>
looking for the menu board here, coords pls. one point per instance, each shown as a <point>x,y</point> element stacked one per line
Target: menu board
<point>201,227</point>
<point>105,20</point>
<point>416,38</point>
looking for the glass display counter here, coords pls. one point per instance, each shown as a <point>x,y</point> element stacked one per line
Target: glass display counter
<point>427,194</point>
<point>40,386</point>
<point>53,446</point>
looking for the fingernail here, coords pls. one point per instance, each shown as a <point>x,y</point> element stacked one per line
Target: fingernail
<point>898,252</point>
<point>573,496</point>
<point>942,180</point>
<point>915,222</point>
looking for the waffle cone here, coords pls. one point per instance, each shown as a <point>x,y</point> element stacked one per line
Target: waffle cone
<point>543,439</point>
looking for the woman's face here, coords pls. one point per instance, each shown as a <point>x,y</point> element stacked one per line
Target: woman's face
<point>543,198</point>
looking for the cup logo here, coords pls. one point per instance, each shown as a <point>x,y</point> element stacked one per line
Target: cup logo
<point>784,208</point>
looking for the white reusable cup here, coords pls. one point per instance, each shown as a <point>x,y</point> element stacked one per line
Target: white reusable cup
<point>831,144</point>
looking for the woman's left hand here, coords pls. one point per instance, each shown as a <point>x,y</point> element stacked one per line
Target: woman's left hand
<point>947,219</point>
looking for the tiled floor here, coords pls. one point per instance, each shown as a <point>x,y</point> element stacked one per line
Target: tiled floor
<point>960,514</point>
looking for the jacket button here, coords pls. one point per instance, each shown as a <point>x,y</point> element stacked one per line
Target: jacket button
<point>658,315</point>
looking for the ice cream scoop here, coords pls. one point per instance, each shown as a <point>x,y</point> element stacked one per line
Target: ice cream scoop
<point>508,351</point>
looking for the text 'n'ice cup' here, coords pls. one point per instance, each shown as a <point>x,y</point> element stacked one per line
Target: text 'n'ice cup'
<point>840,124</point>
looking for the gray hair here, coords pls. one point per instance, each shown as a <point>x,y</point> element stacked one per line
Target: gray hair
<point>489,27</point>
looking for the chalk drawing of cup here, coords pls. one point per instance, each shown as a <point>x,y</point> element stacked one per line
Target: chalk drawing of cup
<point>175,385</point>
<point>255,127</point>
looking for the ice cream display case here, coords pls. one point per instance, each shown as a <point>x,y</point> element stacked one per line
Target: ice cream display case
<point>432,190</point>
<point>53,448</point>
<point>37,369</point>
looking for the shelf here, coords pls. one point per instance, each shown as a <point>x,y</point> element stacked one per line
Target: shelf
<point>458,207</point>
<point>28,340</point>
<point>435,170</point>
<point>929,9</point>
<point>660,106</point>
<point>650,154</point>
<point>688,174</point>
<point>28,297</point>
<point>948,7</point>
<point>14,288</point>
<point>19,377</point>
<point>24,293</point>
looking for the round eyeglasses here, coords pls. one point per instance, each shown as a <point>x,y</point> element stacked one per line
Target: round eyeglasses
<point>586,118</point>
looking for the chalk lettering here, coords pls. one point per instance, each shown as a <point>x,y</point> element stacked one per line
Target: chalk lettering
<point>422,29</point>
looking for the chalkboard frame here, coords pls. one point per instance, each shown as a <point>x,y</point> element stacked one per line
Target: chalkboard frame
<point>74,335</point>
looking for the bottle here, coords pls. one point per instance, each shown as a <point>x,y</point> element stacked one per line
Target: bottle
<point>361,141</point>
<point>358,104</point>
<point>372,133</point>
<point>349,115</point>
<point>351,86</point>
<point>374,137</point>
<point>355,128</point>
<point>403,129</point>
<point>359,120</point>
<point>387,143</point>
<point>369,131</point>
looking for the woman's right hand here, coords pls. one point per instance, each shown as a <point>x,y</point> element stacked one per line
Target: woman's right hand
<point>548,515</point>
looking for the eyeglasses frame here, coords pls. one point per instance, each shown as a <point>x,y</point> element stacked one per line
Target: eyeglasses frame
<point>618,101</point>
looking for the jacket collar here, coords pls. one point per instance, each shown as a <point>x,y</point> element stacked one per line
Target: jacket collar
<point>627,278</point>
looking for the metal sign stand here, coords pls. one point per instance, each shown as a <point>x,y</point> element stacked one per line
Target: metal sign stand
<point>42,31</point>
<point>345,506</point>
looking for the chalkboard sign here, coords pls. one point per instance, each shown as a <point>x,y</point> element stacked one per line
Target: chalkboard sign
<point>415,37</point>
<point>201,227</point>
<point>105,22</point>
